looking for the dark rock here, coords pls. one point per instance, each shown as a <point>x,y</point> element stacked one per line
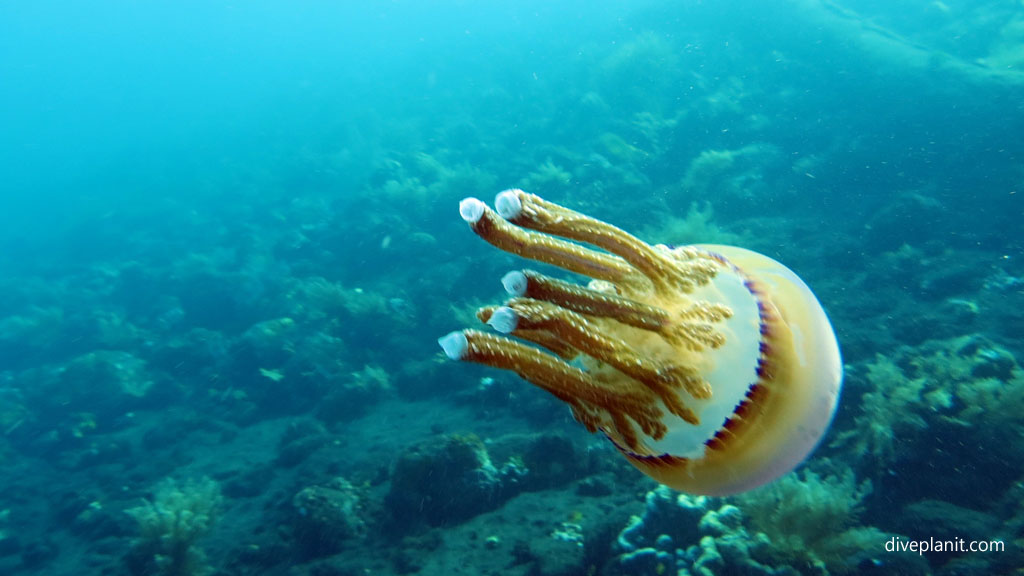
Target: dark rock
<point>558,556</point>
<point>99,453</point>
<point>326,516</point>
<point>299,442</point>
<point>441,481</point>
<point>945,521</point>
<point>249,484</point>
<point>96,523</point>
<point>553,461</point>
<point>261,556</point>
<point>894,564</point>
<point>973,565</point>
<point>595,486</point>
<point>38,554</point>
<point>9,545</point>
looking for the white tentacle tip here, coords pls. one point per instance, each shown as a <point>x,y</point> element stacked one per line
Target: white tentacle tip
<point>508,205</point>
<point>504,319</point>
<point>471,210</point>
<point>454,344</point>
<point>515,283</point>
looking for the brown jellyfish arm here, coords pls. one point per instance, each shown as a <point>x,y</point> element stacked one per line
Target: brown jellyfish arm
<point>543,248</point>
<point>584,300</point>
<point>662,378</point>
<point>667,272</point>
<point>617,409</point>
<point>542,338</point>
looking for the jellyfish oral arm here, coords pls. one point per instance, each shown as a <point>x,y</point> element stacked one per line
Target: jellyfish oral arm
<point>713,369</point>
<point>594,404</point>
<point>493,228</point>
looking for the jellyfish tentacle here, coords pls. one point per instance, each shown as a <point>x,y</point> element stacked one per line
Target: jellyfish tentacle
<point>697,330</point>
<point>693,328</point>
<point>543,248</point>
<point>552,342</point>
<point>595,403</point>
<point>662,378</point>
<point>667,273</point>
<point>586,301</point>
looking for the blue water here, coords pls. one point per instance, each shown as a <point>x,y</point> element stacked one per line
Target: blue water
<point>229,239</point>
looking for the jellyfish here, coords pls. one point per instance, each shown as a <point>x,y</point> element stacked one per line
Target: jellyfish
<point>713,369</point>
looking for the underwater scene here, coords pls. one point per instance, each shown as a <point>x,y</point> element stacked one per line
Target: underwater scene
<point>603,288</point>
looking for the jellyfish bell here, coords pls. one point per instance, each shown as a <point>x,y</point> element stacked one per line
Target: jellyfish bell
<point>713,369</point>
<point>775,381</point>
